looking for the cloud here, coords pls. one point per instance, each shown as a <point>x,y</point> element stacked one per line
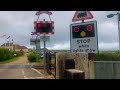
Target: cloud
<point>19,25</point>
<point>65,46</point>
<point>109,46</point>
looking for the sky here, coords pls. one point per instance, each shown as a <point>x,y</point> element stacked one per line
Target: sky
<point>19,25</point>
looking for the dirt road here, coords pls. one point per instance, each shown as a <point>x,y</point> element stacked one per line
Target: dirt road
<point>19,69</point>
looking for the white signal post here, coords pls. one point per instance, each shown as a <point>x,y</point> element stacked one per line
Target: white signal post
<point>38,14</point>
<point>44,53</point>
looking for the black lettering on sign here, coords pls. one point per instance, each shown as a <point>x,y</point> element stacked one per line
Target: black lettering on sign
<point>93,50</point>
<point>83,46</point>
<point>74,50</point>
<point>82,50</point>
<point>79,46</point>
<point>81,14</point>
<point>87,45</point>
<point>86,50</point>
<point>78,41</point>
<point>90,50</point>
<point>88,40</point>
<point>83,41</point>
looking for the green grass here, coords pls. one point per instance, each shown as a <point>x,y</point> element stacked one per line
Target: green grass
<point>52,61</point>
<point>10,60</point>
<point>41,61</point>
<point>108,56</point>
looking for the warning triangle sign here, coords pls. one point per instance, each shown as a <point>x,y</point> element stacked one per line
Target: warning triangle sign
<point>82,15</point>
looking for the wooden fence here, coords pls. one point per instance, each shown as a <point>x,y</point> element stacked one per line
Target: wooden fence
<point>107,69</point>
<point>51,67</point>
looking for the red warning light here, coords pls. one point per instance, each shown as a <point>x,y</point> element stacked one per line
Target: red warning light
<point>76,29</point>
<point>39,25</point>
<point>89,27</point>
<point>47,33</point>
<point>48,25</point>
<point>52,32</point>
<point>41,32</point>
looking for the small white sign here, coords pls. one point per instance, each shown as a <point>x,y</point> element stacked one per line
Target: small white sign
<point>45,38</point>
<point>34,41</point>
<point>84,38</point>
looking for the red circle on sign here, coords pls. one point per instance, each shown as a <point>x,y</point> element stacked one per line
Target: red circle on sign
<point>76,29</point>
<point>89,27</point>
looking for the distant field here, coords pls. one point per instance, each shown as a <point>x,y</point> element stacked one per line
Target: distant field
<point>101,56</point>
<point>108,56</point>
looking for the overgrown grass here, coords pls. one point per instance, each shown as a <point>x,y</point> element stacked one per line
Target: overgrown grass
<point>52,61</point>
<point>32,58</point>
<point>108,56</point>
<point>9,60</point>
<point>41,61</point>
<point>6,55</point>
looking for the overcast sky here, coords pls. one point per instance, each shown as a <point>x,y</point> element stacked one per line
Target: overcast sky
<point>20,24</point>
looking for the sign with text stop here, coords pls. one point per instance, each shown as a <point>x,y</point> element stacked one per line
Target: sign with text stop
<point>83,37</point>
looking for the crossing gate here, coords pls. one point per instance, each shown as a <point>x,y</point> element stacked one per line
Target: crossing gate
<point>51,64</point>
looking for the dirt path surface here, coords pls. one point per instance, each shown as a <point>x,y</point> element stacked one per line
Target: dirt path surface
<point>21,60</point>
<point>19,69</point>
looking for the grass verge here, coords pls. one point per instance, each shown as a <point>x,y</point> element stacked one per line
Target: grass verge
<point>10,60</point>
<point>41,61</point>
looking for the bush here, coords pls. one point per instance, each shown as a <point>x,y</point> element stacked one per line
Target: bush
<point>5,54</point>
<point>32,57</point>
<point>18,53</point>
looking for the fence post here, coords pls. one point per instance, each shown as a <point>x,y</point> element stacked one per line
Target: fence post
<point>91,69</point>
<point>49,61</point>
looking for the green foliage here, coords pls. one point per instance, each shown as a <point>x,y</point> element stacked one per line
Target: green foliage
<point>109,56</point>
<point>30,50</point>
<point>18,53</point>
<point>32,57</point>
<point>5,54</point>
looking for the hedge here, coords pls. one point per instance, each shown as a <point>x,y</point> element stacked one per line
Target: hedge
<point>5,54</point>
<point>109,56</point>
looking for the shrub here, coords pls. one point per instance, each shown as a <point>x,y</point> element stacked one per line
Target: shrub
<point>18,53</point>
<point>5,54</point>
<point>32,57</point>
